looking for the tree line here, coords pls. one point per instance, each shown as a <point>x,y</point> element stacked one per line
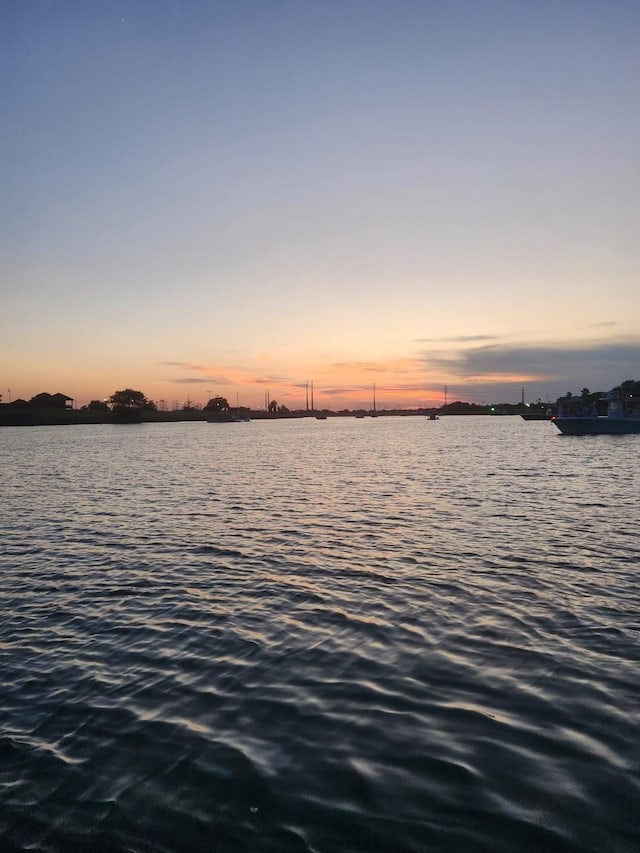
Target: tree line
<point>130,398</point>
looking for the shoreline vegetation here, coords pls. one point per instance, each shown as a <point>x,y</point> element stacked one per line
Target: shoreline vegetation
<point>11,415</point>
<point>130,406</point>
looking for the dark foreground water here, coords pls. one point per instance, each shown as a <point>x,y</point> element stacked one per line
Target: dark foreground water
<point>344,635</point>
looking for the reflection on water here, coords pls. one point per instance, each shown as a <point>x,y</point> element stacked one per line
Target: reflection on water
<point>342,635</point>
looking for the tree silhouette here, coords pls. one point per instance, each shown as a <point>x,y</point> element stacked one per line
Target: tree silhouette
<point>628,388</point>
<point>217,404</point>
<point>131,399</point>
<point>96,406</point>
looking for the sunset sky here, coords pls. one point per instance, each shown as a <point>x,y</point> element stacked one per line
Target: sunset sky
<point>217,197</point>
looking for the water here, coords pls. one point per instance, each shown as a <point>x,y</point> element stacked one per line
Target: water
<point>342,635</point>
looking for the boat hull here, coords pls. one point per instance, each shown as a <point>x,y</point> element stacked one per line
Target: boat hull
<point>597,426</point>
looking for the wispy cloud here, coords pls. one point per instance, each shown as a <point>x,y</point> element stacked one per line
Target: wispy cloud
<point>274,380</point>
<point>199,380</point>
<point>186,365</point>
<point>215,374</point>
<point>368,366</point>
<point>393,366</point>
<point>458,339</point>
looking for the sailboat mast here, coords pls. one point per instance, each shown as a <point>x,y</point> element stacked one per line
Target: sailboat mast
<point>374,396</point>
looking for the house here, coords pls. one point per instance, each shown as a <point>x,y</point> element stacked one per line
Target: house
<point>52,401</point>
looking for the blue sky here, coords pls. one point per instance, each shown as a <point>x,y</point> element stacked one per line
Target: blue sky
<point>217,197</point>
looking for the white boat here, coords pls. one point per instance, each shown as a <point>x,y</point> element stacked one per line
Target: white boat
<point>622,418</point>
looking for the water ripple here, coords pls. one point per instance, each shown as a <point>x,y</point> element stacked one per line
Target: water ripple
<point>348,637</point>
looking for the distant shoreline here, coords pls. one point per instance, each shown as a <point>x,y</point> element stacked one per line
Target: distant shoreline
<point>29,416</point>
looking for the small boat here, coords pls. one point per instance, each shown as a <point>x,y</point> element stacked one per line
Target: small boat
<point>537,416</point>
<point>433,417</point>
<point>622,418</point>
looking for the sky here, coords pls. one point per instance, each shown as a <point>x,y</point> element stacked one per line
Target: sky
<point>233,198</point>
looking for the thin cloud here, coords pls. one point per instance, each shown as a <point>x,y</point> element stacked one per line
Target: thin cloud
<point>384,388</point>
<point>333,392</point>
<point>458,339</point>
<point>185,365</point>
<point>272,380</point>
<point>369,366</point>
<point>221,375</point>
<point>398,366</point>
<point>199,380</point>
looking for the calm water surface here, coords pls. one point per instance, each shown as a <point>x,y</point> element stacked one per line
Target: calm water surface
<point>343,635</point>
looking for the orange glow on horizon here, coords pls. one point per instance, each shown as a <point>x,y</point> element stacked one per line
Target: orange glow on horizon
<point>402,382</point>
<point>505,379</point>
